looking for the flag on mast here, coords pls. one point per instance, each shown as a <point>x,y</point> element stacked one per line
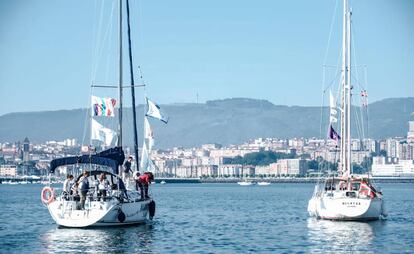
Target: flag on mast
<point>101,133</point>
<point>103,106</point>
<point>332,134</point>
<point>155,111</point>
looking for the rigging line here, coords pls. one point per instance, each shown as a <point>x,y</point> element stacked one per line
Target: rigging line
<point>330,32</point>
<point>97,41</point>
<point>358,123</point>
<point>86,118</point>
<point>93,42</point>
<point>361,107</point>
<point>357,82</point>
<point>106,37</point>
<point>353,52</point>
<point>330,66</point>
<point>367,107</point>
<point>139,32</point>
<point>322,102</point>
<point>332,81</point>
<point>110,42</point>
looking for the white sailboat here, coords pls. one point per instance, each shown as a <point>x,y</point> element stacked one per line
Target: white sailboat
<point>119,206</point>
<point>263,183</point>
<point>346,196</point>
<point>245,183</point>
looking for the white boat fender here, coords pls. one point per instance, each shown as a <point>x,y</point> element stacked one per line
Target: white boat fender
<point>151,208</point>
<point>121,216</point>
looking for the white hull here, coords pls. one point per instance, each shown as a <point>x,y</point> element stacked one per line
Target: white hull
<point>99,213</point>
<point>346,208</point>
<point>263,183</point>
<point>244,183</point>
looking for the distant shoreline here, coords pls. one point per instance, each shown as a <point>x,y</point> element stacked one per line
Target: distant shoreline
<point>274,180</point>
<point>312,180</point>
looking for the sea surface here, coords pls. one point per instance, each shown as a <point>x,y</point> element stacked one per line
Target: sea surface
<point>212,218</point>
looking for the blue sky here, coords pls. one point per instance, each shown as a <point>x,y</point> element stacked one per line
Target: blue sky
<point>263,49</point>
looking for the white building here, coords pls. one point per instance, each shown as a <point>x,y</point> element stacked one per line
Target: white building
<point>382,166</point>
<point>8,170</point>
<point>410,133</point>
<point>231,170</point>
<point>268,170</point>
<point>292,167</point>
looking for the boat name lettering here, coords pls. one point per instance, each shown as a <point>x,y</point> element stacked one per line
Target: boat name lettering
<point>351,203</point>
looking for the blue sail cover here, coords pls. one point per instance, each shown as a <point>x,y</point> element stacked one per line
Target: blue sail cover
<point>112,158</point>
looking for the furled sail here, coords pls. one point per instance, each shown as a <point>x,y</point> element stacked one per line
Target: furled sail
<point>148,134</point>
<point>332,134</point>
<point>146,163</point>
<point>332,108</point>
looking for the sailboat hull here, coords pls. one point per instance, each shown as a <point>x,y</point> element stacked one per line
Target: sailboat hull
<point>345,208</point>
<point>98,213</point>
<point>244,183</point>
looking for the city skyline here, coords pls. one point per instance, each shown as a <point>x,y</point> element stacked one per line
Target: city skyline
<point>208,51</point>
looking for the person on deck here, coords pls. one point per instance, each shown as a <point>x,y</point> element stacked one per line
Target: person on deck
<point>103,186</point>
<point>83,188</point>
<point>143,184</point>
<point>67,184</point>
<point>127,169</point>
<point>136,179</point>
<point>74,191</point>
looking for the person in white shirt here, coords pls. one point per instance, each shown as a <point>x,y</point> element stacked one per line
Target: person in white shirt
<point>103,186</point>
<point>67,184</point>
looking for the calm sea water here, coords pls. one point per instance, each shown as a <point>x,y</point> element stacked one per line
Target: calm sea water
<point>212,218</point>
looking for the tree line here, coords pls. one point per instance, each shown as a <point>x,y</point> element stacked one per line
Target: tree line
<point>261,158</point>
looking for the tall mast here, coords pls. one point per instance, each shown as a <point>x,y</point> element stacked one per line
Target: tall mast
<point>134,114</point>
<point>343,77</point>
<point>349,88</point>
<point>120,76</point>
<point>346,94</point>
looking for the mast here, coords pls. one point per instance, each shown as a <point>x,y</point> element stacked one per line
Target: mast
<point>349,88</point>
<point>120,76</point>
<point>134,114</point>
<point>343,77</point>
<point>345,157</point>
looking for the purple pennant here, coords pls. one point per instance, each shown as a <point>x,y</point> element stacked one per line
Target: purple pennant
<point>333,135</point>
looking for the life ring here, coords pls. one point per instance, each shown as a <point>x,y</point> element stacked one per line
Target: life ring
<point>48,195</point>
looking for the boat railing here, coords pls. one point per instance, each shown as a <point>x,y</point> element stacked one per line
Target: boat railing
<point>94,195</point>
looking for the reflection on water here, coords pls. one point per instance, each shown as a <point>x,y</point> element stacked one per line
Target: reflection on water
<point>342,236</point>
<point>108,240</point>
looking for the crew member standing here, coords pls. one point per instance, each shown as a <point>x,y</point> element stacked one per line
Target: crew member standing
<point>84,188</point>
<point>127,169</point>
<point>143,183</point>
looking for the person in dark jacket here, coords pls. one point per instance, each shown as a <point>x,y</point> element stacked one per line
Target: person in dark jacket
<point>83,188</point>
<point>144,181</point>
<point>127,169</point>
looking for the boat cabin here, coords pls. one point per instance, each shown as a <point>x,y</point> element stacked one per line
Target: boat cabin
<point>353,186</point>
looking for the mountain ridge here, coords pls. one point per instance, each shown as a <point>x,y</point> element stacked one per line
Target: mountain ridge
<point>225,121</point>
